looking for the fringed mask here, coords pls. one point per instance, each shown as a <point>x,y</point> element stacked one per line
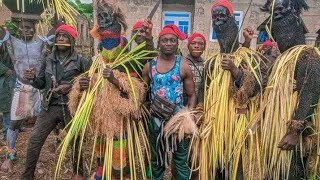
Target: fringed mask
<point>111,20</point>
<point>224,24</point>
<point>295,6</point>
<point>106,19</point>
<point>220,15</point>
<point>287,27</point>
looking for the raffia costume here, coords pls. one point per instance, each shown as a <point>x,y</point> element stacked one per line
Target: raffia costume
<point>117,143</point>
<point>227,144</point>
<point>291,99</point>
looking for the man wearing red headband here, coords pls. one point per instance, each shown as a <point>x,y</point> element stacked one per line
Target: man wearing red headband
<point>270,52</point>
<point>196,46</point>
<point>56,75</point>
<point>169,77</point>
<point>144,30</point>
<point>225,26</point>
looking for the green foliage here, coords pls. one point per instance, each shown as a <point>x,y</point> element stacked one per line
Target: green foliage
<point>12,28</point>
<point>314,177</point>
<point>82,8</point>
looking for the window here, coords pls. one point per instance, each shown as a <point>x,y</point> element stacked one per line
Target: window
<point>181,19</point>
<point>238,16</point>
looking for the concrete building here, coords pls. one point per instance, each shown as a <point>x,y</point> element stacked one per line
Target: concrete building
<point>5,14</point>
<point>195,16</point>
<point>84,42</point>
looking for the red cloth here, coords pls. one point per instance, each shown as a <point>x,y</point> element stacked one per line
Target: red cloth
<point>137,25</point>
<point>266,44</point>
<point>172,29</point>
<point>68,29</point>
<point>195,35</point>
<point>223,3</point>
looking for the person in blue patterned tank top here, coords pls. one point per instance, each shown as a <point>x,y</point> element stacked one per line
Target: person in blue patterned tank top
<point>168,77</point>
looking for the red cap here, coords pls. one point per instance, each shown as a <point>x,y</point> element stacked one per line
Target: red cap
<point>172,29</point>
<point>195,35</point>
<point>266,44</point>
<point>137,25</point>
<point>223,3</point>
<point>68,29</point>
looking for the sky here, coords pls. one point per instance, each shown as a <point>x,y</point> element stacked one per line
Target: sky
<point>86,1</point>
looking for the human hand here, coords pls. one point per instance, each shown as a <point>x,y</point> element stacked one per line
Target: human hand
<point>84,83</point>
<point>289,141</point>
<point>248,34</point>
<point>108,74</point>
<point>62,89</point>
<point>227,64</point>
<point>147,25</point>
<point>8,73</point>
<point>29,74</point>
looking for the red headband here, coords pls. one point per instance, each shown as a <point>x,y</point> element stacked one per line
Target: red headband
<point>195,35</point>
<point>223,3</point>
<point>267,43</point>
<point>137,25</point>
<point>68,29</point>
<point>172,29</point>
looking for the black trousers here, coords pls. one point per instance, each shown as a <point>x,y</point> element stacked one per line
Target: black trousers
<point>47,122</point>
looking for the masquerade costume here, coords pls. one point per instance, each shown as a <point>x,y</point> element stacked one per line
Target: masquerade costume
<point>291,120</point>
<point>230,103</point>
<point>117,143</point>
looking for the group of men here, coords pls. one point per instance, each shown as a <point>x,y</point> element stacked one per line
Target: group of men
<point>177,81</point>
<point>34,75</point>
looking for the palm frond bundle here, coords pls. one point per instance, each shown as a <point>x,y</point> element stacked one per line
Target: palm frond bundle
<point>102,112</point>
<point>280,101</point>
<point>226,140</point>
<point>181,124</point>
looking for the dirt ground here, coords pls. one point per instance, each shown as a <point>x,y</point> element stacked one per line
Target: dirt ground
<point>47,162</point>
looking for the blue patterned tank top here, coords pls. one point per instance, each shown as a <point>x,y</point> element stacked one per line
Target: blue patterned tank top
<point>167,85</point>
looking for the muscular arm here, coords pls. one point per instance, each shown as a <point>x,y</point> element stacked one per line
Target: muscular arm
<point>145,74</point>
<point>189,84</point>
